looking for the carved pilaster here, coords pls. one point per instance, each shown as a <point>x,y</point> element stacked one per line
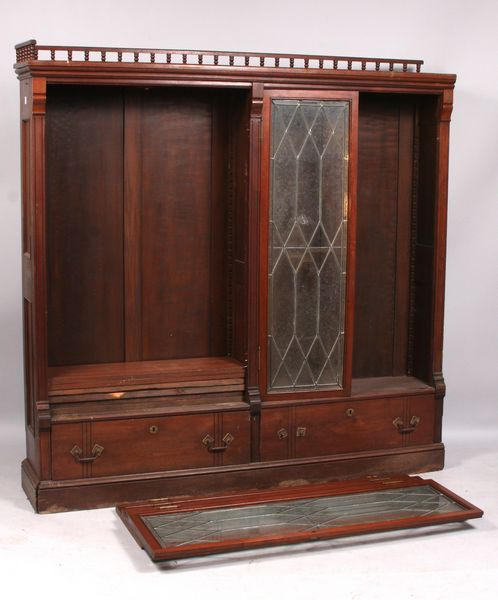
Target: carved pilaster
<point>257,101</point>
<point>254,400</point>
<point>439,385</point>
<point>443,133</point>
<point>37,202</point>
<point>39,91</point>
<point>253,393</point>
<point>253,234</point>
<point>446,105</point>
<point>44,418</point>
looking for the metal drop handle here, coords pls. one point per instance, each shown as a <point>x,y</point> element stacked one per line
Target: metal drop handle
<point>282,433</point>
<point>208,441</point>
<point>400,424</point>
<point>77,452</point>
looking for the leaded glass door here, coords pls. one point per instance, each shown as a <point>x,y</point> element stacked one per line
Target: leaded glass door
<point>307,268</point>
<point>193,526</point>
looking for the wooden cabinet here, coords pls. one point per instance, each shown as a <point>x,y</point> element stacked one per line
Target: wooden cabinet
<point>233,270</point>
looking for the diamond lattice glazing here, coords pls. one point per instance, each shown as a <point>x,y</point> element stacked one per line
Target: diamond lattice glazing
<point>307,244</point>
<point>296,516</point>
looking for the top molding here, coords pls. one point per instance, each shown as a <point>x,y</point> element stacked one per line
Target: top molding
<point>30,51</point>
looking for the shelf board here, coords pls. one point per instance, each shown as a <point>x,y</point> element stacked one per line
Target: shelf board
<point>154,407</point>
<point>364,388</point>
<point>115,379</point>
<point>387,386</point>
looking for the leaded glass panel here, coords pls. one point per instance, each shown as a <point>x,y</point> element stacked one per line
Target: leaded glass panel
<point>298,516</point>
<point>307,244</point>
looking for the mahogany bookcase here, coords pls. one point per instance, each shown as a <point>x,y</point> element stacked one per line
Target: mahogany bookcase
<point>233,270</point>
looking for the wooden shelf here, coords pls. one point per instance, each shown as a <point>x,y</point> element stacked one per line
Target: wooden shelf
<point>389,386</point>
<point>364,388</point>
<point>153,407</point>
<point>170,376</point>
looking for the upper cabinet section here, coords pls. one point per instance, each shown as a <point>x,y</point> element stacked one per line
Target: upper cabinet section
<point>224,222</point>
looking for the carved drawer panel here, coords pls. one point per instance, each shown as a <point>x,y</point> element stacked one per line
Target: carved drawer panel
<point>339,427</point>
<point>126,446</point>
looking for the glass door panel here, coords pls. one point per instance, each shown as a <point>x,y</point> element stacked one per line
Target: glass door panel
<point>197,526</point>
<point>307,265</point>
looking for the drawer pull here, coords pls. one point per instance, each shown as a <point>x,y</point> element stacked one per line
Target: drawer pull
<point>400,425</point>
<point>282,434</point>
<point>76,451</point>
<point>208,441</point>
<point>300,431</point>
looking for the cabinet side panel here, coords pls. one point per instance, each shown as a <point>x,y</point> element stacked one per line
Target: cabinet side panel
<point>28,363</point>
<point>27,231</point>
<point>424,243</point>
<point>376,237</point>
<point>84,166</point>
<point>383,238</point>
<point>182,225</point>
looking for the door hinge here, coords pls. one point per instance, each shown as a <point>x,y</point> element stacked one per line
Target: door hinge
<point>259,358</point>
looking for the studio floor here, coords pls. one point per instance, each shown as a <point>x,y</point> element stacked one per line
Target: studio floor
<point>89,554</point>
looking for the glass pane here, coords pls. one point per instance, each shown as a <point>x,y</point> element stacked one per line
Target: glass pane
<point>297,516</point>
<point>308,236</point>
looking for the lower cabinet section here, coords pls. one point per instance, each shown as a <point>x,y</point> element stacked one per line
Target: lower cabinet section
<point>340,427</point>
<point>103,448</point>
<point>126,446</point>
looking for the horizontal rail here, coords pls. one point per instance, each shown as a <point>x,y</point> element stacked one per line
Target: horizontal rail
<point>30,51</point>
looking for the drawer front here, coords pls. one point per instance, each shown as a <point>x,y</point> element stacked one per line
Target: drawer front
<point>277,431</point>
<point>150,444</point>
<point>355,426</point>
<point>424,408</point>
<point>64,439</point>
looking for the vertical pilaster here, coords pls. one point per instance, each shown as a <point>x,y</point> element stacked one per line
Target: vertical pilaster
<point>253,394</point>
<point>443,136</point>
<point>33,108</point>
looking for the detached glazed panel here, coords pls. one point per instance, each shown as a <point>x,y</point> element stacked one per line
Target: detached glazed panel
<point>203,526</point>
<point>298,516</point>
<point>307,244</point>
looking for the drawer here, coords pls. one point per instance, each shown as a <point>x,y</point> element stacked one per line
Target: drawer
<point>339,427</point>
<point>126,446</point>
